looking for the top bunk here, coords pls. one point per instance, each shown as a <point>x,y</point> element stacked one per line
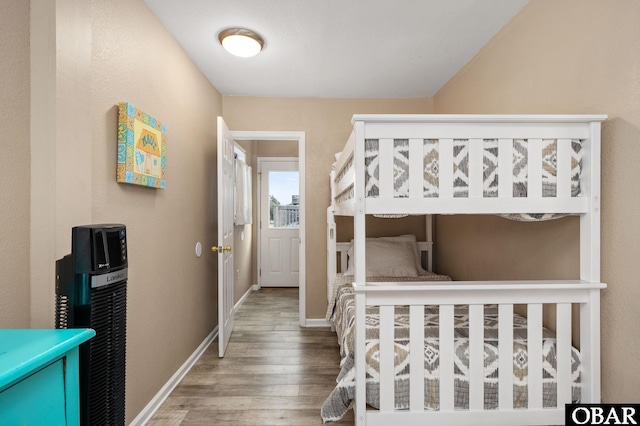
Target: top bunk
<point>525,167</point>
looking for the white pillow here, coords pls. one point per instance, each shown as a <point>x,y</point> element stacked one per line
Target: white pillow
<point>408,238</point>
<point>411,239</point>
<point>387,259</point>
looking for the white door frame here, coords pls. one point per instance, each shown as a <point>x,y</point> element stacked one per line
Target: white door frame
<point>261,161</point>
<point>300,138</point>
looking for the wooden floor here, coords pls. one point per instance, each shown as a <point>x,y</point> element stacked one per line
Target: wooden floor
<point>274,372</point>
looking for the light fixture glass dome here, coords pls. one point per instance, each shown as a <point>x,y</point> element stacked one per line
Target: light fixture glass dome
<point>241,42</point>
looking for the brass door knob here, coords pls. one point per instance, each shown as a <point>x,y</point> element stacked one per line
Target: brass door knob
<point>217,249</point>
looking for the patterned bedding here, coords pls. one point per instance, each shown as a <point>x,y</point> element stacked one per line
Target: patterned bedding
<point>340,313</point>
<point>431,168</point>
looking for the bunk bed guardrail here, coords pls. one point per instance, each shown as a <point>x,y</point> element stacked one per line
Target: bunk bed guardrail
<point>457,164</point>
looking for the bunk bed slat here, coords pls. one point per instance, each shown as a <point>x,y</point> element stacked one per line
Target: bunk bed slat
<point>476,357</point>
<point>445,171</point>
<point>342,181</point>
<point>343,261</point>
<point>343,187</point>
<point>534,184</point>
<point>387,394</point>
<point>563,353</point>
<point>534,355</point>
<point>385,166</point>
<point>416,352</point>
<point>416,176</point>
<point>563,161</point>
<point>505,356</point>
<point>348,150</point>
<point>446,358</point>
<point>476,161</point>
<point>332,182</point>
<point>429,265</point>
<point>401,177</point>
<point>505,168</point>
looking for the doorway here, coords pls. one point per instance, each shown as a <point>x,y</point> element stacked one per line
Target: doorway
<point>279,222</point>
<point>299,138</point>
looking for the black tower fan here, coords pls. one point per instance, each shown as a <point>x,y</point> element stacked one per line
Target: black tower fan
<point>91,292</point>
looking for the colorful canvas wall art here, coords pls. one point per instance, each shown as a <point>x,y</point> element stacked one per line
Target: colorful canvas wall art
<point>142,148</point>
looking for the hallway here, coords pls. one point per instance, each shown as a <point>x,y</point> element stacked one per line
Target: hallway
<point>274,371</point>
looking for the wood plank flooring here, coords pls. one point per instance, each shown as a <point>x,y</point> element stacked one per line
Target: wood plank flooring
<point>274,371</point>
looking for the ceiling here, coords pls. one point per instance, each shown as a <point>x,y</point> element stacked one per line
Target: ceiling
<point>336,48</point>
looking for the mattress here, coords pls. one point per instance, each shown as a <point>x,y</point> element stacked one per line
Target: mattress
<point>347,280</point>
<point>341,315</point>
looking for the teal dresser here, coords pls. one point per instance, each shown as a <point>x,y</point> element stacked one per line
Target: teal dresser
<point>39,376</point>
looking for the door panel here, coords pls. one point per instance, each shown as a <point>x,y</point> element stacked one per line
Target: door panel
<point>224,249</point>
<point>294,255</point>
<point>274,255</point>
<point>279,223</point>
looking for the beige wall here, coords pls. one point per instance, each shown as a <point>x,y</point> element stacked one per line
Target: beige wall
<point>380,227</point>
<point>14,164</point>
<point>565,56</point>
<point>327,125</point>
<point>61,170</point>
<point>172,299</point>
<point>172,302</point>
<point>277,149</point>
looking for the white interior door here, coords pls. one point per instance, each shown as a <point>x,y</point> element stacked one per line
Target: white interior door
<point>279,223</point>
<point>224,249</point>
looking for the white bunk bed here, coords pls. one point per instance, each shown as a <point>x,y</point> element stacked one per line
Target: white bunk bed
<point>525,167</point>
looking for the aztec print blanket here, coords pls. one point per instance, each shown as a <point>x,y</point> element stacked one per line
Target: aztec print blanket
<point>431,168</point>
<point>343,395</point>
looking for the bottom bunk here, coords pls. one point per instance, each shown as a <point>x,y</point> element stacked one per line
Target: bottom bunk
<point>342,316</point>
<point>436,350</point>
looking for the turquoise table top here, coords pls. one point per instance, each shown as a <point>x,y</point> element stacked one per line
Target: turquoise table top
<point>23,350</point>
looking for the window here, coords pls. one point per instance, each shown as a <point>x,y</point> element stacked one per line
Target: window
<point>284,200</point>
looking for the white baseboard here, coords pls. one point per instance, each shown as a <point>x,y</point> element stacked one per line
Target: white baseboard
<point>242,299</point>
<point>256,287</point>
<point>155,403</point>
<point>316,322</point>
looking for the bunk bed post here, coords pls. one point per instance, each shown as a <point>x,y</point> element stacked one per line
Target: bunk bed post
<point>331,252</point>
<point>590,268</point>
<point>590,348</point>
<point>429,239</point>
<point>359,233</point>
<point>331,249</point>
<point>590,222</point>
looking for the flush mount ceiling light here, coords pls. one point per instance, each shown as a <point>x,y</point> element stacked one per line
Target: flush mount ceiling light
<point>241,42</point>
